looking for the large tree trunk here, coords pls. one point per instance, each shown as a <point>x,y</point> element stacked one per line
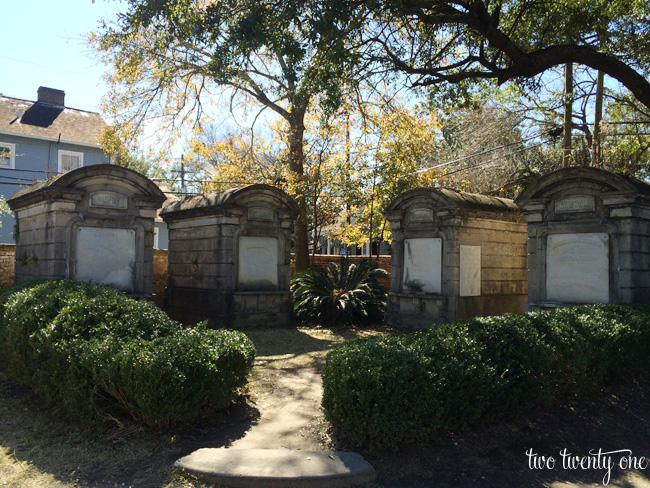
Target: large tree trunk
<point>296,165</point>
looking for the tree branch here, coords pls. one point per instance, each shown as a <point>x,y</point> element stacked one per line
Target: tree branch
<point>517,62</point>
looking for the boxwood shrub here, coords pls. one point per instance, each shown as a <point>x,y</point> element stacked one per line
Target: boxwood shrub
<point>381,392</point>
<point>96,354</point>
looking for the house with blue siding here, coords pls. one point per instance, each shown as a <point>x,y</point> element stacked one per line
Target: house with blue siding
<point>42,139</point>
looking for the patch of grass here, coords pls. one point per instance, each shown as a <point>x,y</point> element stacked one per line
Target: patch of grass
<point>292,342</point>
<point>37,450</point>
<point>40,450</point>
<point>291,348</point>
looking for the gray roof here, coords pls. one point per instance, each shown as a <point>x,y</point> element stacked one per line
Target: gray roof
<point>50,122</point>
<point>75,181</point>
<point>219,202</point>
<point>452,199</point>
<point>578,177</point>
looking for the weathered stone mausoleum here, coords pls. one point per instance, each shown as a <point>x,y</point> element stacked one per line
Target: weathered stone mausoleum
<point>454,256</point>
<point>230,256</point>
<point>94,223</point>
<point>588,238</point>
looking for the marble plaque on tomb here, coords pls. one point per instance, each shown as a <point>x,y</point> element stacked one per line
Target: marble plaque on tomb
<point>578,203</point>
<point>470,271</point>
<point>260,213</point>
<point>258,264</point>
<point>109,199</point>
<point>422,265</point>
<point>106,256</point>
<point>577,268</point>
<point>421,215</point>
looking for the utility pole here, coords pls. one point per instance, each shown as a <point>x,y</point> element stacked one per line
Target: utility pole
<point>183,193</point>
<point>182,173</point>
<point>348,163</point>
<point>597,151</point>
<point>568,113</point>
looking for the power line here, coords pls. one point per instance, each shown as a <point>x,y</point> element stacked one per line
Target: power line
<point>639,122</point>
<point>14,184</point>
<point>616,134</point>
<point>484,163</point>
<point>487,151</point>
<point>31,170</point>
<point>48,67</point>
<point>17,179</point>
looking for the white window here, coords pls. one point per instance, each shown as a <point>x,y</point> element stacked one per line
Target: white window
<point>7,155</point>
<point>69,160</point>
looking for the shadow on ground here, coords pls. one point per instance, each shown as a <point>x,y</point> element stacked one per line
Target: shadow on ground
<point>32,437</point>
<point>40,449</point>
<point>617,419</point>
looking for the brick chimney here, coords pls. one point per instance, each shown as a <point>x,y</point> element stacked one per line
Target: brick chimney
<point>51,96</point>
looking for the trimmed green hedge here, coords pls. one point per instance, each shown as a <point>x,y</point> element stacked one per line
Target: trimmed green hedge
<point>384,391</point>
<point>96,354</point>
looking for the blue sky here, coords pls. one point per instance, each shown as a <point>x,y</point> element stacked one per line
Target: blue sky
<point>42,44</point>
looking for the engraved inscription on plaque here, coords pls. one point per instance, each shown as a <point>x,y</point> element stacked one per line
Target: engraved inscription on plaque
<point>577,268</point>
<point>106,256</point>
<point>584,203</point>
<point>109,199</point>
<point>260,213</point>
<point>258,264</point>
<point>420,215</point>
<point>470,271</point>
<point>422,265</point>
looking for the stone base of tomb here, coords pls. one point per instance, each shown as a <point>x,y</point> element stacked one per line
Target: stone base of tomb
<point>240,309</point>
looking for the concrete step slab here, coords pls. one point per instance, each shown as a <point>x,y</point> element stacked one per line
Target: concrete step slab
<point>278,468</point>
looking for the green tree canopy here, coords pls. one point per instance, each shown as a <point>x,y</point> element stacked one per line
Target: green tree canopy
<point>437,41</point>
<point>169,56</point>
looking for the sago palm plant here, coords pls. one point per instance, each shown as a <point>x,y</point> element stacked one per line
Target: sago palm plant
<point>340,294</point>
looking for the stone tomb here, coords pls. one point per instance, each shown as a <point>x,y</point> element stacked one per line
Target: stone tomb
<point>588,238</point>
<point>91,224</point>
<point>229,257</point>
<point>454,255</point>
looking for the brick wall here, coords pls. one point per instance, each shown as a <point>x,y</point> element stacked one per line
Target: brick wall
<point>324,259</point>
<point>159,274</point>
<point>7,258</point>
<point>7,252</point>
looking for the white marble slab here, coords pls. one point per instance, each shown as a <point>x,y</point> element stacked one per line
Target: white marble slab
<point>577,268</point>
<point>421,215</point>
<point>258,264</point>
<point>106,256</point>
<point>576,203</point>
<point>260,213</point>
<point>422,265</point>
<point>109,199</point>
<point>470,271</point>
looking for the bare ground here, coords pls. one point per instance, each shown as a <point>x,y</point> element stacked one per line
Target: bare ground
<point>618,418</point>
<point>282,411</point>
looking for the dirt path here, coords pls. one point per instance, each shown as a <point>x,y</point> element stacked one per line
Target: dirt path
<point>286,388</point>
<point>288,414</point>
<point>40,450</point>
